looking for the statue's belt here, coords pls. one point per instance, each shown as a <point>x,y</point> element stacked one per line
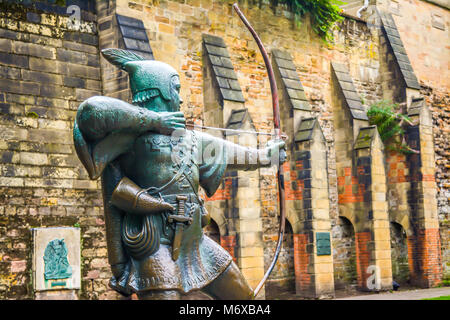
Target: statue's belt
<point>190,198</point>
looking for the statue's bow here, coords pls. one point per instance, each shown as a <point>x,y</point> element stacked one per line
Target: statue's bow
<point>276,122</point>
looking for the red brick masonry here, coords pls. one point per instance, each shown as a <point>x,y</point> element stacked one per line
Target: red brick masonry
<point>362,240</point>
<point>301,262</point>
<point>229,244</point>
<point>424,257</point>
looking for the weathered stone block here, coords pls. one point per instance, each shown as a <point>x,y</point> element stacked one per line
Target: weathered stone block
<point>80,47</point>
<point>41,77</point>
<point>5,45</point>
<point>14,60</point>
<point>71,56</point>
<point>81,71</point>
<point>21,87</point>
<point>33,158</point>
<point>33,49</point>
<point>52,91</point>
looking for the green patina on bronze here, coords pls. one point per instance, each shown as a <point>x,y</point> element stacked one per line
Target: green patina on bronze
<point>55,260</point>
<point>153,213</point>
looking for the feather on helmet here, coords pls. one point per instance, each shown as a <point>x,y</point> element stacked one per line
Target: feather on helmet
<point>148,78</point>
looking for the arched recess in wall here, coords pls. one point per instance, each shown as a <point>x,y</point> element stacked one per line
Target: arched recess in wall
<point>212,230</point>
<point>219,219</point>
<point>348,214</point>
<point>344,254</point>
<point>294,220</point>
<point>282,280</point>
<point>403,220</point>
<point>399,254</point>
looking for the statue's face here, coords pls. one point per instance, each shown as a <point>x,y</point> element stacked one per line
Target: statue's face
<point>175,100</point>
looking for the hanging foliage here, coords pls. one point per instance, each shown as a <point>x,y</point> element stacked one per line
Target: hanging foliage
<point>324,13</point>
<point>390,125</point>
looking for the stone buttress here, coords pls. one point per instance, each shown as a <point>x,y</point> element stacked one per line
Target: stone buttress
<point>306,184</point>
<point>361,183</point>
<point>236,202</point>
<point>411,176</point>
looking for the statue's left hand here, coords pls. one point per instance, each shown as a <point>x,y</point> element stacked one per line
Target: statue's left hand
<point>171,121</point>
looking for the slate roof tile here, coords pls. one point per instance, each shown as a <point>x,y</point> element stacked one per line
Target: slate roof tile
<point>217,53</point>
<point>394,39</point>
<point>305,129</point>
<point>134,36</point>
<point>348,90</point>
<point>292,85</point>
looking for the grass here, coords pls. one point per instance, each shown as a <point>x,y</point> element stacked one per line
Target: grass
<point>438,298</point>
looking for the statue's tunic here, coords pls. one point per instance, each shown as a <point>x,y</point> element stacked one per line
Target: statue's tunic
<point>201,260</point>
<point>151,160</point>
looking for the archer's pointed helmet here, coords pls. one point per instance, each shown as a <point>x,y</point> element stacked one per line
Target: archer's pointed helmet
<point>148,78</point>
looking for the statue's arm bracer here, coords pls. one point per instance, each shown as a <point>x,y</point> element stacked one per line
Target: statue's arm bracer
<point>131,198</point>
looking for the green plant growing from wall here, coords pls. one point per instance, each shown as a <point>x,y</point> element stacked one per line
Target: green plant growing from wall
<point>324,13</point>
<point>389,123</point>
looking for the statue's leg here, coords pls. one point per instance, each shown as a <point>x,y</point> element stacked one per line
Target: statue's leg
<point>159,295</point>
<point>230,285</point>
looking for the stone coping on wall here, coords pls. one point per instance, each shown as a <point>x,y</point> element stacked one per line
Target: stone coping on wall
<point>365,137</point>
<point>396,44</point>
<point>237,119</point>
<point>222,67</point>
<point>134,36</point>
<point>348,90</point>
<point>416,105</point>
<point>305,129</point>
<point>291,80</point>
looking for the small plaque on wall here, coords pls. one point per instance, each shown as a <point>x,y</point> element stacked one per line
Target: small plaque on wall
<point>323,243</point>
<point>56,258</point>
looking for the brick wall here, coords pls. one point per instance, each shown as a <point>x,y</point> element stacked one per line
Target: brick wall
<point>224,190</point>
<point>439,102</point>
<point>229,244</point>
<point>425,262</point>
<point>283,280</point>
<point>363,257</point>
<point>304,281</point>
